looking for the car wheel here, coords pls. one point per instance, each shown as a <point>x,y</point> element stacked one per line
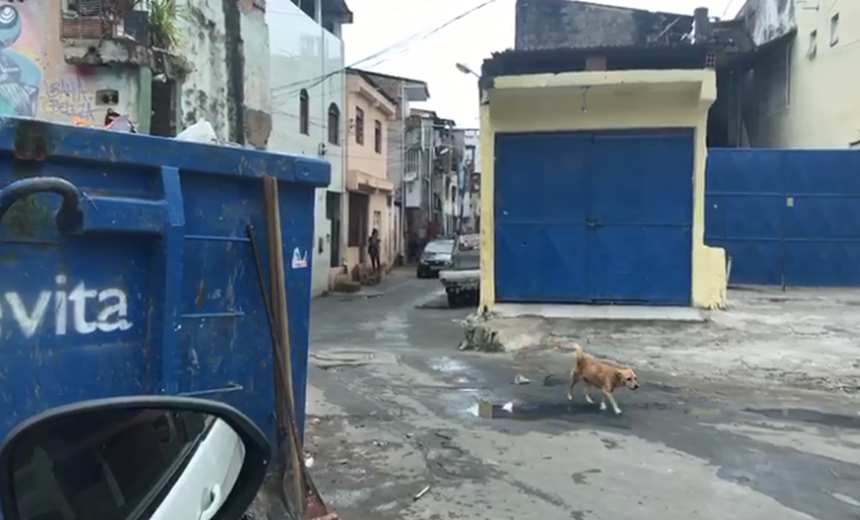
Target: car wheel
<point>453,299</point>
<point>419,273</point>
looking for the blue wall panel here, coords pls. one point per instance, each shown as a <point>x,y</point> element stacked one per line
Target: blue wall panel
<point>594,217</point>
<point>786,216</point>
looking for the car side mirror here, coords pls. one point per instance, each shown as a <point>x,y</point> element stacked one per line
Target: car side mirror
<point>146,457</point>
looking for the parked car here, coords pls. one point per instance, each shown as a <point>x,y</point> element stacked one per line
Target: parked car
<point>436,256</point>
<point>462,279</point>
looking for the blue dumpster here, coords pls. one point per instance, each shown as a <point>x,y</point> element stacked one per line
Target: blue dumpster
<point>136,276</point>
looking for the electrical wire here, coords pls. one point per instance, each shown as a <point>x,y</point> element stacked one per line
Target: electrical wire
<point>378,57</point>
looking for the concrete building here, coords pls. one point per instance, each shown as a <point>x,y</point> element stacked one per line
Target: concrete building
<point>404,91</point>
<point>432,156</point>
<point>308,103</point>
<point>452,161</point>
<point>370,193</point>
<point>420,155</point>
<point>802,93</point>
<point>785,68</point>
<point>70,62</point>
<point>624,153</point>
<point>472,194</point>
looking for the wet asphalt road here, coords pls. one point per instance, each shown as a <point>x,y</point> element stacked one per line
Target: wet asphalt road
<point>392,403</point>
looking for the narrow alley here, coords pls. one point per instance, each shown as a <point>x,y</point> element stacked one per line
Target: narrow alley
<point>391,410</point>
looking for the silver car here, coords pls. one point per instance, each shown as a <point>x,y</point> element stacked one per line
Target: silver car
<point>436,256</point>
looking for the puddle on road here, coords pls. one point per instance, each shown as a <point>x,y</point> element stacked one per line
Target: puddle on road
<point>809,416</point>
<point>448,365</point>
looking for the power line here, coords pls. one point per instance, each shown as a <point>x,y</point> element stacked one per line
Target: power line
<point>379,55</point>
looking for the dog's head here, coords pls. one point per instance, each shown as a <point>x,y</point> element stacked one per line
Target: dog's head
<point>627,378</point>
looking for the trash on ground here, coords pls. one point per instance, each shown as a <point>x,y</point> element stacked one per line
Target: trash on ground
<point>421,493</point>
<point>479,335</point>
<point>521,380</point>
<point>508,407</point>
<point>485,409</point>
<point>309,460</point>
<point>200,132</point>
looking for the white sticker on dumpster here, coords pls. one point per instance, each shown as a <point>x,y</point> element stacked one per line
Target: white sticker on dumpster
<point>69,310</point>
<point>300,261</point>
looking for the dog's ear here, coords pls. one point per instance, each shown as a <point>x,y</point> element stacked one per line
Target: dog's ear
<point>619,378</point>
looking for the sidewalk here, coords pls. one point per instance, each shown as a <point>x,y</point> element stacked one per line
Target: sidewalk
<point>804,338</point>
<point>394,278</point>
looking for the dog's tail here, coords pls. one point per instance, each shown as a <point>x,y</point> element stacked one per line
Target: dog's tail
<point>580,355</point>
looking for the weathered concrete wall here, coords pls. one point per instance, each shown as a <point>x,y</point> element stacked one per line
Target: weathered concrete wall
<point>258,104</point>
<point>560,24</point>
<point>203,92</point>
<point>37,82</point>
<point>802,93</point>
<point>228,45</point>
<point>767,20</point>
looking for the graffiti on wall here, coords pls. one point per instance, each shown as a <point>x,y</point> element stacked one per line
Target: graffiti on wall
<point>68,98</point>
<point>20,76</point>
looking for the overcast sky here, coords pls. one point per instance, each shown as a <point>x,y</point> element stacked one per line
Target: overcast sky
<point>381,23</point>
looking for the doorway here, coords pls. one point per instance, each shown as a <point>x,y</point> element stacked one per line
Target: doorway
<point>163,120</point>
<point>333,214</point>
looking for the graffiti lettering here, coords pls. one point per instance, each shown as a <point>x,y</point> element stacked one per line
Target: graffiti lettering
<point>112,314</point>
<point>70,98</point>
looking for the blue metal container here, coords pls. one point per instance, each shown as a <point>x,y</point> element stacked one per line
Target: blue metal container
<point>136,276</point>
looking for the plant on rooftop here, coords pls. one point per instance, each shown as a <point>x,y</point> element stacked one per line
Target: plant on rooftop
<point>165,23</point>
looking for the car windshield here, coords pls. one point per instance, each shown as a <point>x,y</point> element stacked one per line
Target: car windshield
<point>469,242</point>
<point>440,246</point>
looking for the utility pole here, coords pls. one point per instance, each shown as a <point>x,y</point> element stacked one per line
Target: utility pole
<point>450,165</point>
<point>402,231</point>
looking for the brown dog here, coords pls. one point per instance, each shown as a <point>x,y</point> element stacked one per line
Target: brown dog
<point>599,375</point>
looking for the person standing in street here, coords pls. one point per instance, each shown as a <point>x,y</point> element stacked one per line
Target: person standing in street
<point>373,248</point>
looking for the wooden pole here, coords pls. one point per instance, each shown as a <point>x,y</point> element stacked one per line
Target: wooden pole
<point>280,311</point>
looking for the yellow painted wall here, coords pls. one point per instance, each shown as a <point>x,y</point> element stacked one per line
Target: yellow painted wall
<point>613,100</point>
<point>821,109</point>
<point>362,159</point>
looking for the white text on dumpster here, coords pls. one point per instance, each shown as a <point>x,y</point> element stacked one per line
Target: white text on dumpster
<point>69,309</point>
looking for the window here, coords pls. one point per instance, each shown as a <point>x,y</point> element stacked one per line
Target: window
<point>333,124</point>
<point>834,29</point>
<point>107,464</point>
<point>377,136</point>
<point>304,113</point>
<point>359,126</point>
<point>813,45</point>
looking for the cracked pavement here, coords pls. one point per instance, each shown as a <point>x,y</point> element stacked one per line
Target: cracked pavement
<point>391,410</point>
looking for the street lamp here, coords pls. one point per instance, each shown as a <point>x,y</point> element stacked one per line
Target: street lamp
<point>465,69</point>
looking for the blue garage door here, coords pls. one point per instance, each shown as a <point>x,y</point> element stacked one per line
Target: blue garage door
<point>595,218</point>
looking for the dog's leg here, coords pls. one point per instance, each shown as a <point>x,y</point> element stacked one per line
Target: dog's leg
<point>588,398</point>
<point>574,378</point>
<point>607,395</point>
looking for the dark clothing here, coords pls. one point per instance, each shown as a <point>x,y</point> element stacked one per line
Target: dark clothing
<point>373,246</point>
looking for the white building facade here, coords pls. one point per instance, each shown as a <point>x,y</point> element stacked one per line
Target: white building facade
<point>308,96</point>
<point>471,193</point>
